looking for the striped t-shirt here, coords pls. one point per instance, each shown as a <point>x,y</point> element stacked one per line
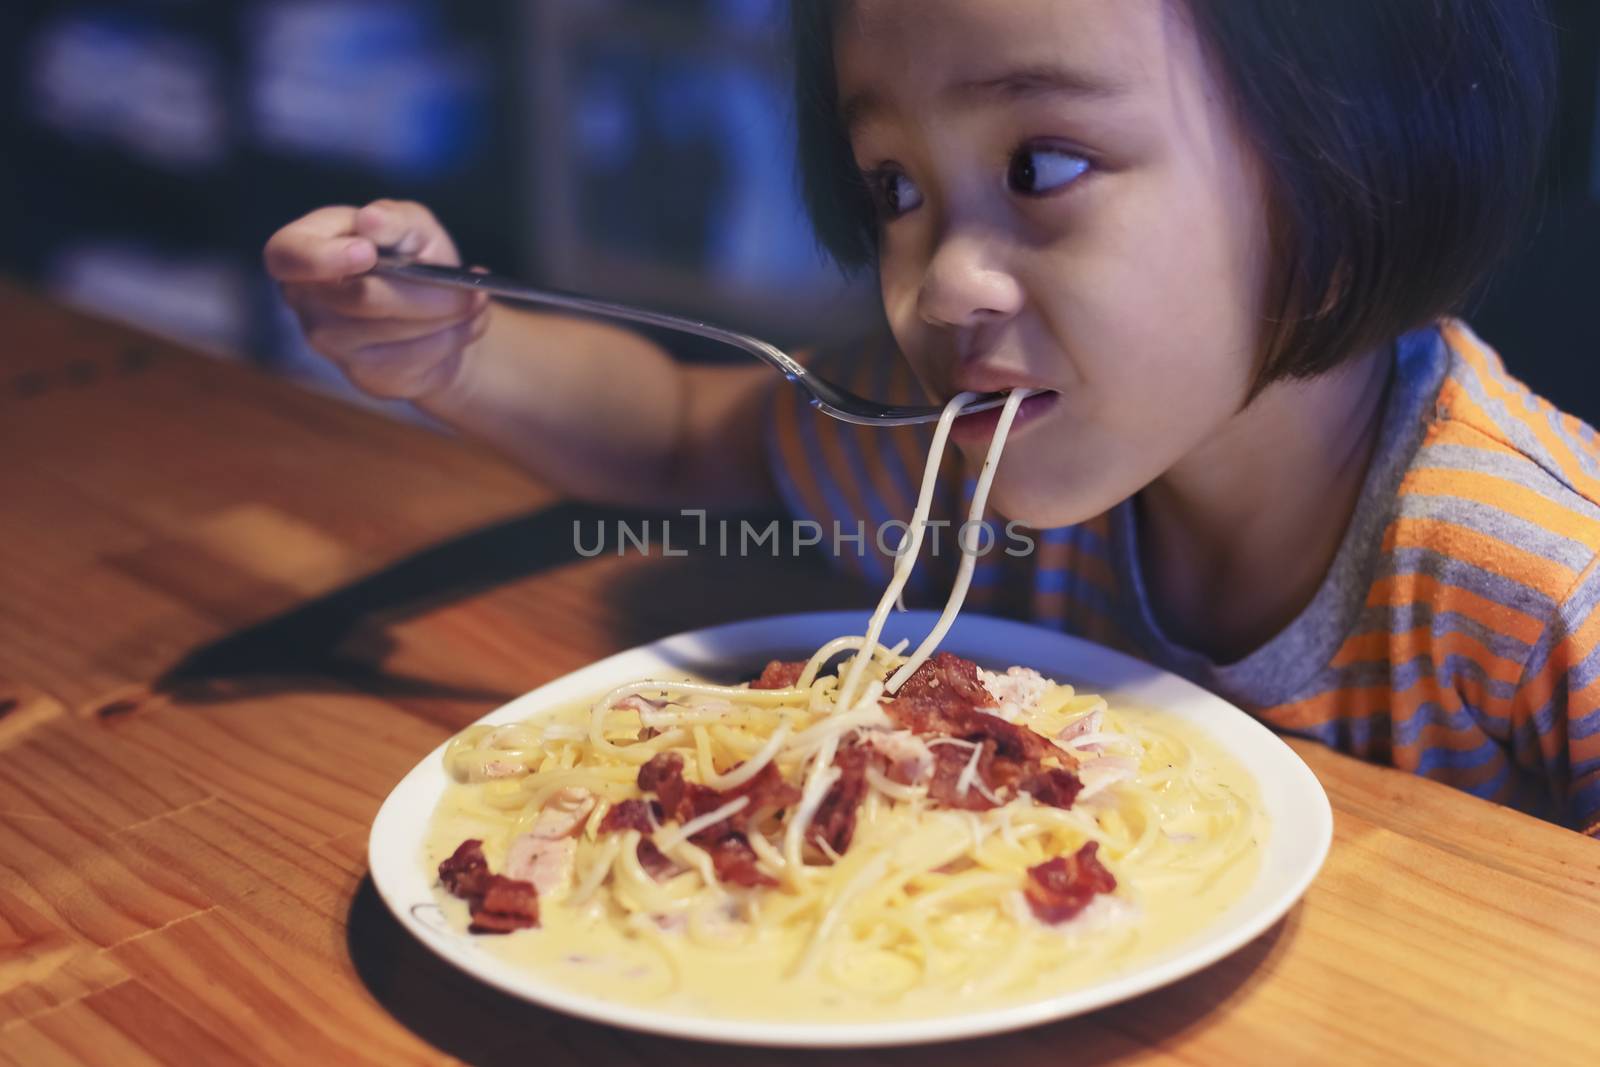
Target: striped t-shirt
<point>1456,634</point>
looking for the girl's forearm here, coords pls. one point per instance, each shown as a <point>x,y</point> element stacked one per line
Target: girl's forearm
<point>607,415</point>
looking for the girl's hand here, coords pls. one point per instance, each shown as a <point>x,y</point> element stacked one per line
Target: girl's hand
<point>393,340</point>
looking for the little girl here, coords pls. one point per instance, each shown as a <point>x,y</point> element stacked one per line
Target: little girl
<point>1224,240</point>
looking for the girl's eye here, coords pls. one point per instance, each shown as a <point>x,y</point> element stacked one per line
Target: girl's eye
<point>1039,170</point>
<point>896,193</point>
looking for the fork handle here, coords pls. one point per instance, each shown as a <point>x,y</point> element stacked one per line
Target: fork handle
<point>404,267</point>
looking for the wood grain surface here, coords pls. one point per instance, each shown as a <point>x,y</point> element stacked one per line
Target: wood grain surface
<point>233,615</point>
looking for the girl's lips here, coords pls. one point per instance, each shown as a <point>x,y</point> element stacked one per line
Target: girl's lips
<point>979,427</point>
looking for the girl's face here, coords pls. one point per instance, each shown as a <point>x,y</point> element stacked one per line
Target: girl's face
<point>1066,202</point>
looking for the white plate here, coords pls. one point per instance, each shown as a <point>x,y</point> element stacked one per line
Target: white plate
<point>1301,821</point>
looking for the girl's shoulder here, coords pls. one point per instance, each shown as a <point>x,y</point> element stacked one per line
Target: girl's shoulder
<point>1504,482</point>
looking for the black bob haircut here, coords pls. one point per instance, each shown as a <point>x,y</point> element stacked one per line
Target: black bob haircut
<point>1401,142</point>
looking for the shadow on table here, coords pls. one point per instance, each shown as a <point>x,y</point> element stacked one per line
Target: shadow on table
<point>339,636</point>
<point>340,640</point>
<point>469,1020</point>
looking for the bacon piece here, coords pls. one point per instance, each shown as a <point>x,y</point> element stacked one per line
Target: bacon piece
<point>945,686</point>
<point>779,674</point>
<point>663,776</point>
<point>466,871</point>
<point>735,862</point>
<point>835,820</point>
<point>767,792</point>
<point>945,697</point>
<point>629,815</point>
<point>507,904</point>
<point>1058,889</point>
<point>949,763</point>
<point>498,904</point>
<point>681,800</point>
<point>1056,787</point>
<point>635,814</point>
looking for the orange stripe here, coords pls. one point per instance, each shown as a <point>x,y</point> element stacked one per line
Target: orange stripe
<point>1402,646</point>
<point>1348,702</point>
<point>1507,496</point>
<point>1401,589</point>
<point>1584,702</point>
<point>1584,639</point>
<point>1545,576</point>
<point>1047,555</point>
<point>1090,568</point>
<point>1497,384</point>
<point>1049,605</point>
<point>1409,703</point>
<point>1573,650</point>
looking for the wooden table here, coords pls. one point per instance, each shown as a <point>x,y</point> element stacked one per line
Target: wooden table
<point>232,615</point>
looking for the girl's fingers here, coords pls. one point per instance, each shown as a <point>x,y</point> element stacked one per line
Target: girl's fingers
<point>407,228</point>
<point>337,334</point>
<point>321,247</point>
<point>371,297</point>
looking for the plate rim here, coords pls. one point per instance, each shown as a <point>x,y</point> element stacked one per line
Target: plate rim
<point>450,947</point>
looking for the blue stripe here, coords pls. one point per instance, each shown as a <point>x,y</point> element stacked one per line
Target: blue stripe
<point>1096,599</point>
<point>1585,802</point>
<point>1409,731</point>
<point>1584,728</point>
<point>1435,759</point>
<point>1584,768</point>
<point>1056,535</point>
<point>1092,543</point>
<point>1488,788</point>
<point>1050,579</point>
<point>1582,674</point>
<point>1400,676</point>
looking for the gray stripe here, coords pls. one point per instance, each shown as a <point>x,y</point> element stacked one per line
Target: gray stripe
<point>1400,677</point>
<point>1575,609</point>
<point>1517,432</point>
<point>1585,457</point>
<point>1498,524</point>
<point>1500,588</point>
<point>1419,614</point>
<point>1508,468</point>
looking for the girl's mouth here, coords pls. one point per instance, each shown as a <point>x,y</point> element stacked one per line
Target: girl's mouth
<point>979,427</point>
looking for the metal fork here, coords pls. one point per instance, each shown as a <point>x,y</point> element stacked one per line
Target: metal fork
<point>825,395</point>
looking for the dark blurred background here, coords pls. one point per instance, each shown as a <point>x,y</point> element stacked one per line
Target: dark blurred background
<point>637,150</point>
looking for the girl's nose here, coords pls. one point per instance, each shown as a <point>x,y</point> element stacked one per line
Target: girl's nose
<point>964,287</point>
